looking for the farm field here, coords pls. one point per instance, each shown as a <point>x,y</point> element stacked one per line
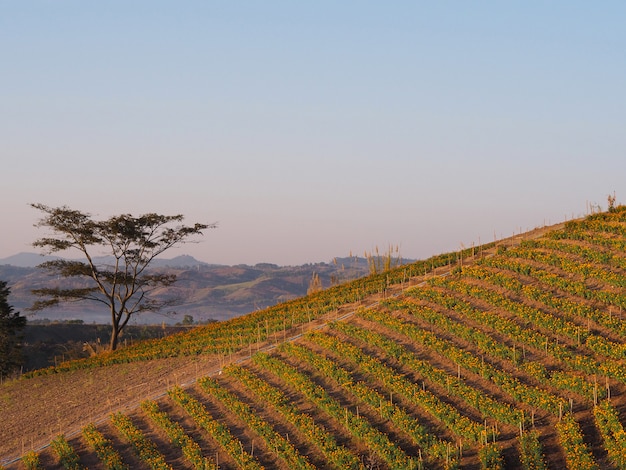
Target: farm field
<point>508,355</point>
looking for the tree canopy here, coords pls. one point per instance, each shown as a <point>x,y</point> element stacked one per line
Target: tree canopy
<point>11,327</point>
<point>124,285</point>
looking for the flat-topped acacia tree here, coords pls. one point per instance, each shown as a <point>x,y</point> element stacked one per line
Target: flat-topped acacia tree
<point>124,285</point>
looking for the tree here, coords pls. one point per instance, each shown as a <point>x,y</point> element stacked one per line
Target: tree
<point>11,333</point>
<point>124,285</point>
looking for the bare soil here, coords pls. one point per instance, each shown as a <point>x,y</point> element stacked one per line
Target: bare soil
<point>36,410</point>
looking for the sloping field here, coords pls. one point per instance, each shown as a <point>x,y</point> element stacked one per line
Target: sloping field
<point>510,356</point>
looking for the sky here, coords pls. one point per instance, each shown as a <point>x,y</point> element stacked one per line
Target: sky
<point>312,130</point>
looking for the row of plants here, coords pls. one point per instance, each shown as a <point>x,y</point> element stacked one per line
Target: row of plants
<point>487,406</point>
<point>577,454</point>
<point>68,458</point>
<point>612,431</point>
<point>486,343</point>
<point>511,385</point>
<point>434,449</point>
<point>531,454</point>
<point>606,222</point>
<point>217,430</point>
<point>144,447</point>
<point>501,324</point>
<point>573,287</point>
<point>419,311</point>
<point>570,359</point>
<point>548,322</point>
<point>563,380</point>
<point>607,258</point>
<point>355,424</point>
<point>339,456</point>
<point>574,310</point>
<point>490,457</point>
<point>103,447</point>
<point>596,238</point>
<point>177,436</point>
<point>526,313</point>
<point>585,269</point>
<point>283,448</point>
<point>31,460</point>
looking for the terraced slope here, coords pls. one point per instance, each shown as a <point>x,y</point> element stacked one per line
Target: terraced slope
<point>513,358</point>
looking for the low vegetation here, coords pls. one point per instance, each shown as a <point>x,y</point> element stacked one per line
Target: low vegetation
<point>513,358</point>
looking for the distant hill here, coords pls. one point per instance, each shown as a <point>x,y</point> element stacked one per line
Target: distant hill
<point>31,260</point>
<point>206,291</point>
<point>26,260</point>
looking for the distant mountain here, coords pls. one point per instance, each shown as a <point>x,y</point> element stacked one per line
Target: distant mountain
<point>31,260</point>
<point>27,260</point>
<point>179,262</point>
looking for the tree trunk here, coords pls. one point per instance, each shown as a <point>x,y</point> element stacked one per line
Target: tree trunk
<point>115,329</point>
<point>114,336</point>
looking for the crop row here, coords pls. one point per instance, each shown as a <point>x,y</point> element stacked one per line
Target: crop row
<point>571,286</point>
<point>338,455</point>
<point>144,447</point>
<point>514,387</point>
<point>216,429</point>
<point>177,436</point>
<point>608,259</point>
<point>31,461</point>
<point>455,386</point>
<point>67,455</point>
<point>384,405</point>
<point>585,269</point>
<point>574,310</point>
<point>596,238</point>
<point>395,382</point>
<point>577,454</point>
<point>531,456</point>
<point>359,427</point>
<point>605,222</point>
<point>489,346</point>
<point>490,457</point>
<point>273,440</point>
<point>109,457</point>
<point>497,322</point>
<point>548,322</point>
<point>612,432</point>
<point>574,360</point>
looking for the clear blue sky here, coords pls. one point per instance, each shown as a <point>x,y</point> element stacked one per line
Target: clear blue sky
<point>312,129</point>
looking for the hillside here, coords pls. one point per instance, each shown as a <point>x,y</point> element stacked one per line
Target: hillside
<point>509,356</point>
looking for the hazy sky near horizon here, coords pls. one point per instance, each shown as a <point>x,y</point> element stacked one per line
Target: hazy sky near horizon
<point>310,130</point>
